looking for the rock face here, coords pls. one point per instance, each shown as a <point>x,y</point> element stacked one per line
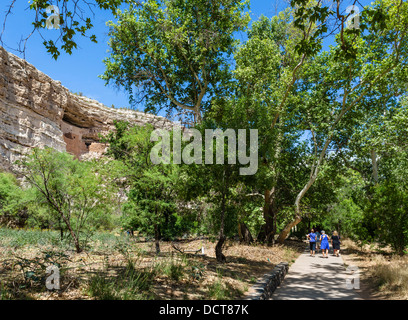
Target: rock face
<point>37,111</point>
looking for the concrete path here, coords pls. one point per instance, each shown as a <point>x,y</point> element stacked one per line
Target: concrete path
<point>316,278</point>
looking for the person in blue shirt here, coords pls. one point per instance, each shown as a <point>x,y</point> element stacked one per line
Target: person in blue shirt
<point>324,244</point>
<point>312,242</point>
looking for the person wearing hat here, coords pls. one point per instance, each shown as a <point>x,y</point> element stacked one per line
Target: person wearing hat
<point>324,244</point>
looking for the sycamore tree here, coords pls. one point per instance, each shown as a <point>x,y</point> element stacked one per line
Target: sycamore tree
<point>283,74</point>
<point>173,54</point>
<point>265,67</point>
<point>338,85</point>
<point>268,66</point>
<point>378,154</point>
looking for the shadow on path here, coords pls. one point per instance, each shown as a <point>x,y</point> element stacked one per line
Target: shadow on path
<point>316,278</point>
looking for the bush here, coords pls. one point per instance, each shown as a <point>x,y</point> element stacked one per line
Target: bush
<point>18,238</point>
<point>13,208</point>
<point>173,270</point>
<point>77,194</point>
<point>130,284</point>
<point>388,213</point>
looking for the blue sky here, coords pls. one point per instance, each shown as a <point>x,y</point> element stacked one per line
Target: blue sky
<point>79,72</point>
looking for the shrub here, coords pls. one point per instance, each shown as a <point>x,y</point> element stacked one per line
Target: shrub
<point>77,193</point>
<point>13,208</point>
<point>130,284</point>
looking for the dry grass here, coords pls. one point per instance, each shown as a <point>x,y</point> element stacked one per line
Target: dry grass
<point>384,275</point>
<point>171,275</point>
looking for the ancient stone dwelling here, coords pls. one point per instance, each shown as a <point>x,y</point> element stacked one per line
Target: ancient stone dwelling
<point>37,111</point>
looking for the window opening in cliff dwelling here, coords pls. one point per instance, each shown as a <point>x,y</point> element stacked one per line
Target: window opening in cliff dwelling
<point>69,135</point>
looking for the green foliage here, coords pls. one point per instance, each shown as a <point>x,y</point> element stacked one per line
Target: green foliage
<point>345,213</point>
<point>197,271</point>
<point>77,194</point>
<point>152,198</point>
<point>71,20</point>
<point>4,293</point>
<point>130,284</point>
<point>388,212</point>
<point>317,113</point>
<point>218,290</point>
<point>13,201</point>
<point>19,238</point>
<point>174,54</point>
<point>173,269</point>
<point>101,288</point>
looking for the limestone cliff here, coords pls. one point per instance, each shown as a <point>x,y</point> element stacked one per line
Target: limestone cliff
<point>37,111</point>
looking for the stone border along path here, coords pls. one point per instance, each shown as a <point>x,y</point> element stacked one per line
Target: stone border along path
<point>264,288</point>
<point>316,278</point>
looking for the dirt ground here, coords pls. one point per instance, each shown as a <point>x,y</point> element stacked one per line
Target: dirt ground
<point>202,277</point>
<point>231,280</point>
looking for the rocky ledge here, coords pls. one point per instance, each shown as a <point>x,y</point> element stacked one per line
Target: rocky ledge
<point>37,111</point>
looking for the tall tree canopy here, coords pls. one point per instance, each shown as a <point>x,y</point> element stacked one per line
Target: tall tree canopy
<point>173,54</point>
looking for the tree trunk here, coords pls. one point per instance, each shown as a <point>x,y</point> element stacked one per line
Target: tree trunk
<point>244,234</point>
<point>267,233</point>
<point>73,235</point>
<point>61,228</point>
<point>285,232</point>
<point>157,238</point>
<point>313,176</point>
<point>218,248</point>
<point>374,165</point>
<point>77,246</point>
<point>67,223</point>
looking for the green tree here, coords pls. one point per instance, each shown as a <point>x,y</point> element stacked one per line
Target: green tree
<point>13,201</point>
<point>77,194</point>
<point>388,212</point>
<point>214,183</point>
<point>174,54</point>
<point>152,198</point>
<point>268,65</point>
<point>338,86</point>
<point>377,153</point>
<point>152,202</point>
<point>345,213</point>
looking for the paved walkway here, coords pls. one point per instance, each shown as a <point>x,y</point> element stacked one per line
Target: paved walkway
<point>316,278</point>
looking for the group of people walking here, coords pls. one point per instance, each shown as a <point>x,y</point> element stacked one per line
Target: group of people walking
<point>317,239</point>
